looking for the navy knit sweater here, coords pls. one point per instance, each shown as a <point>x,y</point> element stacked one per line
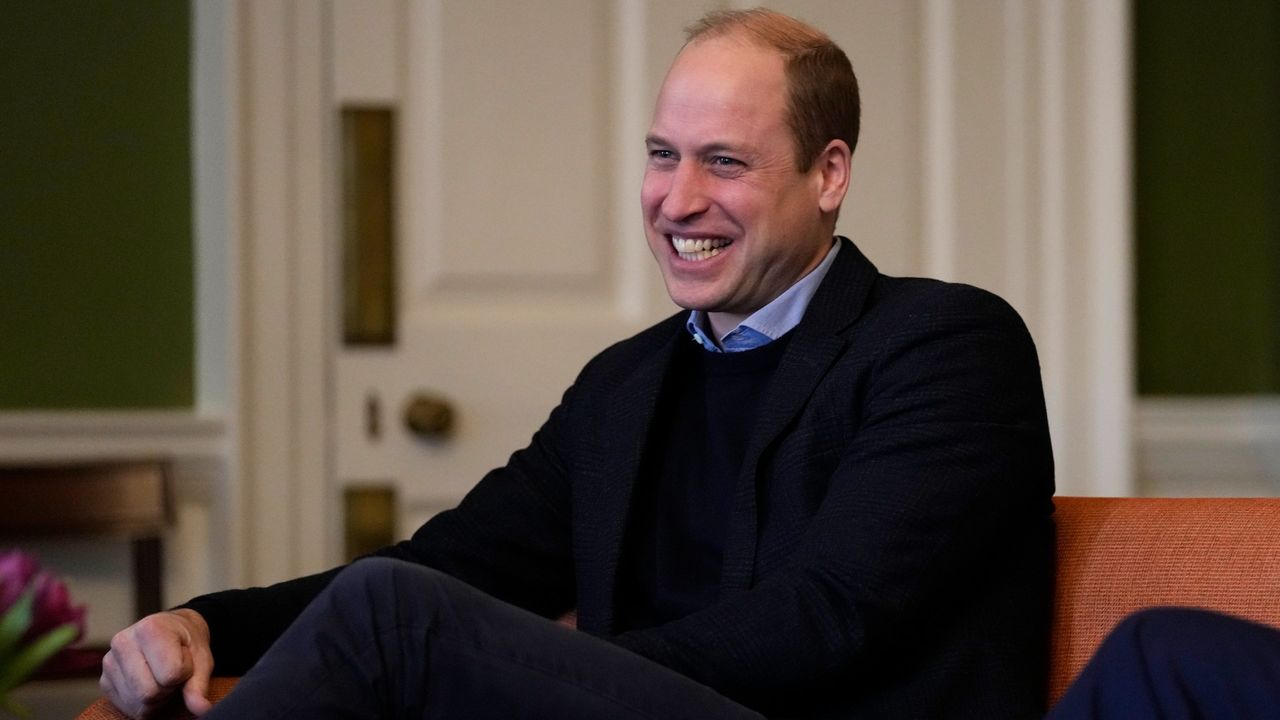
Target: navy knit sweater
<point>675,541</point>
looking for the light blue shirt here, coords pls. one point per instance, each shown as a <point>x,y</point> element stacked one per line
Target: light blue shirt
<point>769,322</point>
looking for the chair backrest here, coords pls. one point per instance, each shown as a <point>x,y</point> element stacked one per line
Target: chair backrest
<point>1118,555</point>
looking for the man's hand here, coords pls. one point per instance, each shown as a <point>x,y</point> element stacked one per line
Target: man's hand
<point>154,658</point>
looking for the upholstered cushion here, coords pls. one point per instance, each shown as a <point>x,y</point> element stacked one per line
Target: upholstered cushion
<point>1118,555</point>
<point>103,710</point>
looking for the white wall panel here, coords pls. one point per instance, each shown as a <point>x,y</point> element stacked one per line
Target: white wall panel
<point>525,156</point>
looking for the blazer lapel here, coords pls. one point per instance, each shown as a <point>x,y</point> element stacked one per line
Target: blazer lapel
<point>816,344</point>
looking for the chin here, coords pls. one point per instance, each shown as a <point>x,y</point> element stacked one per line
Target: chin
<point>680,297</point>
<point>693,300</point>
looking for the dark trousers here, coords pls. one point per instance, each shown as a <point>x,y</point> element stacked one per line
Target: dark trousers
<point>1179,663</point>
<point>390,639</point>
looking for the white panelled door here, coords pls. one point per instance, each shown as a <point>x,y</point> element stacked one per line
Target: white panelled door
<point>520,252</point>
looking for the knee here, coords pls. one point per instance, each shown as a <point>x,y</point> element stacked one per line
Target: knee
<point>1156,623</point>
<point>382,583</point>
<point>371,570</point>
<point>1174,633</point>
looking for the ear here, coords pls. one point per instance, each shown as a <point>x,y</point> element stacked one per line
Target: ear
<point>832,168</point>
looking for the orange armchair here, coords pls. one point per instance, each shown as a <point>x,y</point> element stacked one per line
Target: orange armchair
<point>1118,555</point>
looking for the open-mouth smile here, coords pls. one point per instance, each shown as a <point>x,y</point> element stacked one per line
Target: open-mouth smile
<point>698,249</point>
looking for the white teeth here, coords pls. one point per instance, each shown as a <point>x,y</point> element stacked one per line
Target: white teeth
<point>698,248</point>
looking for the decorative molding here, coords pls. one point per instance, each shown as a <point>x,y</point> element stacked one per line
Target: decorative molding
<point>1209,445</point>
<point>209,490</point>
<point>939,129</point>
<point>421,128</point>
<point>314,254</point>
<point>1017,158</point>
<point>283,499</point>
<point>630,121</point>
<point>109,435</point>
<point>1052,215</point>
<point>215,130</point>
<point>1108,246</point>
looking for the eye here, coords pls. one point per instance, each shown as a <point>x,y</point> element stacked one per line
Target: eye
<point>724,162</point>
<point>661,156</point>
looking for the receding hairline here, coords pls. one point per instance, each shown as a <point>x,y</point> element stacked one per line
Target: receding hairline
<point>760,26</point>
<point>822,102</point>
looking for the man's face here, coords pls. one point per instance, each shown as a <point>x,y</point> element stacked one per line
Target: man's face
<point>730,219</point>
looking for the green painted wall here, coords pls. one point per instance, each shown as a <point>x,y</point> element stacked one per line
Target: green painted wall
<point>1207,132</point>
<point>96,275</point>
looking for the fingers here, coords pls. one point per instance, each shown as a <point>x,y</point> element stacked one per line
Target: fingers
<point>126,678</point>
<point>196,700</point>
<point>148,662</point>
<point>195,693</point>
<point>108,688</point>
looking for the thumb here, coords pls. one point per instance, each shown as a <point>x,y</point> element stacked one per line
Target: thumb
<point>195,692</point>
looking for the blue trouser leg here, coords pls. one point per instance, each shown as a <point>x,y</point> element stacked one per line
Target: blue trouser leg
<point>1179,663</point>
<point>389,639</point>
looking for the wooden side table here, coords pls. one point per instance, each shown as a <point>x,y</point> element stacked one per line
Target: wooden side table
<point>130,499</point>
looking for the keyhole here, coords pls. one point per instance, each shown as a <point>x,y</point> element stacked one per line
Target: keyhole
<point>372,416</point>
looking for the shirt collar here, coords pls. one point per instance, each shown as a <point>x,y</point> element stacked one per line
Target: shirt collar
<point>769,322</point>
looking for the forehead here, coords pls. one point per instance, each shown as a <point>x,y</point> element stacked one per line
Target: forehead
<point>725,86</point>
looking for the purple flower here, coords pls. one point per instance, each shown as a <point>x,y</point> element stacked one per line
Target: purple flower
<point>16,570</point>
<point>52,606</point>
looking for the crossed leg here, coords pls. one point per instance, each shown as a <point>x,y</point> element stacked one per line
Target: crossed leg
<point>389,639</point>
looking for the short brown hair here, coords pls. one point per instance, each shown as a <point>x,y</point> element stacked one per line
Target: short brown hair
<point>822,103</point>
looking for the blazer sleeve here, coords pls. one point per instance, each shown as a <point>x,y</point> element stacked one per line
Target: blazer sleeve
<point>949,465</point>
<point>508,537</point>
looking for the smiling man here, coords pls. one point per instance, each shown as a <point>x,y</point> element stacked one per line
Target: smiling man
<point>818,492</point>
<point>735,211</point>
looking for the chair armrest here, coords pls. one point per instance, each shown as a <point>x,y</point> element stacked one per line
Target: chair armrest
<point>102,709</point>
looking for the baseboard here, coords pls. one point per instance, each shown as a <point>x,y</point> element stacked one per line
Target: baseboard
<point>1209,446</point>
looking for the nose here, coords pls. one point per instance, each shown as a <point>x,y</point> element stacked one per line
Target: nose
<point>687,195</point>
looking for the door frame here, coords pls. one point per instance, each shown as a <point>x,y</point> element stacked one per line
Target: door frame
<point>260,69</point>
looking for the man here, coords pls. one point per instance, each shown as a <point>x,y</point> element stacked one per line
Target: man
<point>844,515</point>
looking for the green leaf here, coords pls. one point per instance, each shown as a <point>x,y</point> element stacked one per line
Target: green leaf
<point>16,620</point>
<point>31,657</point>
